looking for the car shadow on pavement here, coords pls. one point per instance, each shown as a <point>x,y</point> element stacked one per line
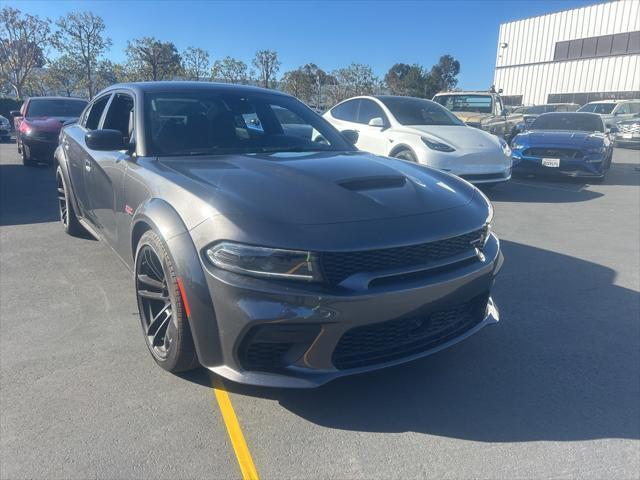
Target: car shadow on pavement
<point>27,195</point>
<point>561,365</point>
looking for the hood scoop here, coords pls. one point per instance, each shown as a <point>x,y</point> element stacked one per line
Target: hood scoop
<point>373,183</point>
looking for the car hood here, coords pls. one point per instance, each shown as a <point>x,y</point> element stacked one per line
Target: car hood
<point>317,188</point>
<point>47,124</point>
<point>473,117</point>
<point>458,136</point>
<point>573,139</point>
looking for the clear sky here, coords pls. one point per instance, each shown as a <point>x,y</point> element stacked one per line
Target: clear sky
<point>331,34</point>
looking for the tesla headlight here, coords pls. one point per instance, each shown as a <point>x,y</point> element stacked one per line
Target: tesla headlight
<point>505,147</point>
<point>264,262</point>
<point>439,146</point>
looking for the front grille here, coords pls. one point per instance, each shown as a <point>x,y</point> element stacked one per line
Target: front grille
<point>337,266</point>
<point>553,153</point>
<point>45,136</point>
<point>628,128</point>
<point>395,339</point>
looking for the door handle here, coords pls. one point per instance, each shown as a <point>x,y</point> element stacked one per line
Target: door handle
<point>87,165</point>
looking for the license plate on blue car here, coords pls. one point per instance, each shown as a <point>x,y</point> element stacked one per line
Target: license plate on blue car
<point>551,162</point>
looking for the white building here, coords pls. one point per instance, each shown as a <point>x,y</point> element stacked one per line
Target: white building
<point>576,56</point>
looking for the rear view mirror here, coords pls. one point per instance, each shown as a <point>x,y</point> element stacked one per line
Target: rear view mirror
<point>350,136</point>
<point>105,140</point>
<point>376,122</point>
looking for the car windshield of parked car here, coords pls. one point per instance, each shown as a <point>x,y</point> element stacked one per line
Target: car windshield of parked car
<point>417,111</point>
<point>466,103</point>
<point>210,122</point>
<point>55,108</point>
<point>538,109</point>
<point>602,108</point>
<point>568,121</point>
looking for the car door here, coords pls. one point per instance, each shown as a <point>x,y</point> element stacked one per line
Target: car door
<point>78,154</point>
<point>371,138</point>
<point>622,112</point>
<point>104,170</point>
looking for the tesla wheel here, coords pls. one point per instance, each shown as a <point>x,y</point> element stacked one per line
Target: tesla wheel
<point>25,156</point>
<point>406,154</point>
<point>67,214</point>
<point>162,314</point>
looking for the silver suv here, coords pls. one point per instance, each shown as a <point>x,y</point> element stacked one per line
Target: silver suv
<point>613,111</point>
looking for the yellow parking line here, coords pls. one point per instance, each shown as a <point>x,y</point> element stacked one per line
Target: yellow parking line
<point>240,448</point>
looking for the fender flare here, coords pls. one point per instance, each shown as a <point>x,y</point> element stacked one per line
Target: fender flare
<point>158,215</point>
<point>60,159</point>
<point>402,146</point>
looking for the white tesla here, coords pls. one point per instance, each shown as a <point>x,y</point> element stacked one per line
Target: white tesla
<point>423,131</point>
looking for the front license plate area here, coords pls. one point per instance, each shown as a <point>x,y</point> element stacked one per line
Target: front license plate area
<point>626,135</point>
<point>551,162</point>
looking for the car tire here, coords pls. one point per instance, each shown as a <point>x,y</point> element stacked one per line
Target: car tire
<point>163,315</point>
<point>25,156</point>
<point>68,216</point>
<point>406,154</point>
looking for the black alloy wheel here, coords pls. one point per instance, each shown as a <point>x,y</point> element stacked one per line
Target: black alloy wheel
<point>162,313</point>
<point>67,215</point>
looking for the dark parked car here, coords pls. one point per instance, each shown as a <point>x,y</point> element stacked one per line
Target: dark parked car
<point>572,144</point>
<point>628,134</point>
<point>38,124</point>
<point>274,256</point>
<point>531,112</point>
<point>5,129</point>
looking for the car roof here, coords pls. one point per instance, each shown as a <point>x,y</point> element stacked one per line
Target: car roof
<point>182,86</point>
<point>467,92</point>
<point>615,101</point>
<point>572,114</point>
<point>57,98</point>
<point>388,97</point>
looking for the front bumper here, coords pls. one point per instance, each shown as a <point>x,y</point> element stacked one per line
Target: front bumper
<point>304,325</point>
<point>486,166</point>
<point>568,167</point>
<point>40,148</point>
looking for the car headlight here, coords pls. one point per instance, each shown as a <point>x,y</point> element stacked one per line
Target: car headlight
<point>597,150</point>
<point>264,262</point>
<point>505,147</point>
<point>439,146</point>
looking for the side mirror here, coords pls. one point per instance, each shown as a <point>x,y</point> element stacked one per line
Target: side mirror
<point>105,140</point>
<point>350,136</point>
<point>376,122</point>
<point>15,113</point>
<point>614,129</point>
<point>521,127</point>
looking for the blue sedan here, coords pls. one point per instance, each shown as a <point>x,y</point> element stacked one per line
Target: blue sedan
<point>571,144</point>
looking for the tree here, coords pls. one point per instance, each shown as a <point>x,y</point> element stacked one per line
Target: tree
<point>356,79</point>
<point>81,37</point>
<point>298,83</point>
<point>267,65</point>
<point>230,70</point>
<point>411,80</point>
<point>23,39</point>
<point>444,73</point>
<point>151,59</point>
<point>60,76</point>
<point>109,73</point>
<point>195,63</point>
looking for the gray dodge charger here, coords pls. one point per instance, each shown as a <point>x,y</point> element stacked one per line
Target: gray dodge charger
<point>263,245</point>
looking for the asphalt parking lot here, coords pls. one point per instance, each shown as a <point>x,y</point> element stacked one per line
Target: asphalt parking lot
<point>552,391</point>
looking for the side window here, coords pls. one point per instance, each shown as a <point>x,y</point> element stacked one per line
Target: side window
<point>347,111</point>
<point>634,107</point>
<point>623,109</point>
<point>120,115</point>
<point>92,120</point>
<point>499,106</point>
<point>368,110</point>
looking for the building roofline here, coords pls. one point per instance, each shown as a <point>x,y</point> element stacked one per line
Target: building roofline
<point>560,11</point>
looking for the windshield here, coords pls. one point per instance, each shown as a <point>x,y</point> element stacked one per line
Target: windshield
<point>417,111</point>
<point>210,122</point>
<point>55,108</point>
<point>603,108</point>
<point>568,121</point>
<point>466,103</point>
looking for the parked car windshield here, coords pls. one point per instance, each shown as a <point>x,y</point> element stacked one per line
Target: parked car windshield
<point>212,122</point>
<point>55,107</point>
<point>466,103</point>
<point>568,121</point>
<point>604,108</point>
<point>417,111</point>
